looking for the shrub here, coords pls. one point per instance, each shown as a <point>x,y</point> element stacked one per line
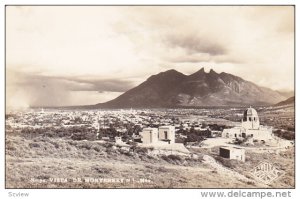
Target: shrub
<point>174,157</point>
<point>239,141</point>
<point>226,162</point>
<point>84,146</point>
<point>149,167</point>
<point>55,144</point>
<point>288,135</point>
<point>43,177</point>
<point>250,183</point>
<point>108,145</point>
<point>162,169</point>
<point>171,158</point>
<point>31,145</point>
<point>96,148</point>
<point>10,146</point>
<point>110,150</point>
<point>102,170</point>
<point>141,150</point>
<point>127,153</point>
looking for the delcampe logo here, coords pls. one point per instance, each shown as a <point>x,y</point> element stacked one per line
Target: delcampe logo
<point>266,172</point>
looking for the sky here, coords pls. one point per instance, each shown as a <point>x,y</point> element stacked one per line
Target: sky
<point>79,55</point>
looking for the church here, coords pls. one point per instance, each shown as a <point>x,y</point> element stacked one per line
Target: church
<point>250,128</point>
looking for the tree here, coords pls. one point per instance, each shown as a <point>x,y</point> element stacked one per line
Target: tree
<point>203,125</point>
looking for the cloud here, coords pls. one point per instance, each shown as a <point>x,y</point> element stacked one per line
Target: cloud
<point>102,51</point>
<point>194,44</point>
<point>112,85</point>
<point>202,57</point>
<point>191,58</point>
<point>56,91</point>
<point>73,83</point>
<point>35,90</point>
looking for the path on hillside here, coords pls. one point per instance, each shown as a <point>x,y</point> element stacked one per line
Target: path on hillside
<point>213,163</point>
<point>282,145</point>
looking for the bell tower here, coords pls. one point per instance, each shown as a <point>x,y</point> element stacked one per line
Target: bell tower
<point>250,119</point>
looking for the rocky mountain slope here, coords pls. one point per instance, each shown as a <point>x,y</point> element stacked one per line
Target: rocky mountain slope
<point>174,89</point>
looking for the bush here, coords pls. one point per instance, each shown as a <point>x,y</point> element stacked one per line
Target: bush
<point>127,153</point>
<point>288,135</point>
<point>31,145</point>
<point>110,149</point>
<point>43,177</point>
<point>150,167</point>
<point>76,133</point>
<point>102,170</point>
<point>141,150</point>
<point>108,145</point>
<point>83,136</point>
<point>96,149</point>
<point>55,144</point>
<point>171,158</point>
<point>226,162</point>
<point>162,169</point>
<point>10,146</point>
<point>84,146</point>
<point>174,157</point>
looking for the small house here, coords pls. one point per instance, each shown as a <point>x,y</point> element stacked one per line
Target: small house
<point>234,153</point>
<point>167,134</point>
<point>149,135</point>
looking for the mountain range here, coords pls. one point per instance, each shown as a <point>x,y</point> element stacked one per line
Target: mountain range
<point>174,89</point>
<point>290,101</point>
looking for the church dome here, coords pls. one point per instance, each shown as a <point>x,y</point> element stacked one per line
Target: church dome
<point>250,120</point>
<point>250,112</point>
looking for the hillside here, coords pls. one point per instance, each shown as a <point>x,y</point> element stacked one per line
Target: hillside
<point>289,101</point>
<point>56,162</point>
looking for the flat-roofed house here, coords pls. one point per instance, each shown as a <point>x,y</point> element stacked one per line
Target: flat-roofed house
<point>234,153</point>
<point>149,135</point>
<point>167,134</point>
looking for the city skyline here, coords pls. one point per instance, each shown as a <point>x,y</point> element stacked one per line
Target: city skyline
<point>75,55</point>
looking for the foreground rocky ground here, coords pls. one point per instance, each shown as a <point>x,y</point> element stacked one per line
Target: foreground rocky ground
<point>43,162</point>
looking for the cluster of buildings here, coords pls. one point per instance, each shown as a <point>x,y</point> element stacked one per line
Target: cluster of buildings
<point>158,128</point>
<point>250,128</point>
<point>101,119</point>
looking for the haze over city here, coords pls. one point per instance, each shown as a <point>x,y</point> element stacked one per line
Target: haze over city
<point>72,55</point>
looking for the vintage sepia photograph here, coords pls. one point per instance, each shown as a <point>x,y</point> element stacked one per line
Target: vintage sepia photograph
<point>149,97</point>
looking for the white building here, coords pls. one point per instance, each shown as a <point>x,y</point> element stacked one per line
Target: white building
<point>149,135</point>
<point>234,153</point>
<point>162,135</point>
<point>250,127</point>
<point>167,134</point>
<point>250,119</point>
